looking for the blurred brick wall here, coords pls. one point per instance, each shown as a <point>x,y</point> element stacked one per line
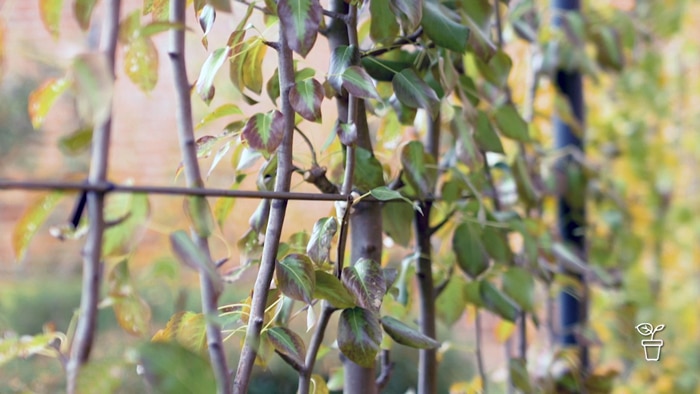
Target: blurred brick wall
<point>144,140</point>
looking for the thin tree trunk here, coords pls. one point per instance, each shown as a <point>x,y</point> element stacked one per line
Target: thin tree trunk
<point>274,225</point>
<point>188,148</point>
<point>427,362</point>
<point>92,253</point>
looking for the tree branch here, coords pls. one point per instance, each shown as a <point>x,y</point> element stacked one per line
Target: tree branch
<point>387,369</point>
<point>315,344</point>
<point>274,226</point>
<point>396,44</point>
<point>443,222</point>
<point>479,354</point>
<point>210,296</point>
<point>92,252</point>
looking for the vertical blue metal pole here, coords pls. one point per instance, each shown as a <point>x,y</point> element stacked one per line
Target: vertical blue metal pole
<point>571,216</point>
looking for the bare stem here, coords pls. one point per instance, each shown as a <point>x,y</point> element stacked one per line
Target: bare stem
<point>92,252</point>
<point>479,355</point>
<point>315,344</point>
<point>210,296</point>
<point>274,225</point>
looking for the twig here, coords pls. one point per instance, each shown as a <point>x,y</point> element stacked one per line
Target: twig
<point>386,371</point>
<point>443,285</point>
<point>92,252</point>
<point>315,344</point>
<point>257,7</point>
<point>443,222</point>
<point>274,226</point>
<point>479,354</point>
<point>314,158</point>
<point>396,44</point>
<point>336,15</point>
<point>188,148</point>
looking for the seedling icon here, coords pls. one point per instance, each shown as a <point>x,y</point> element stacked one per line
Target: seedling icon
<point>652,347</point>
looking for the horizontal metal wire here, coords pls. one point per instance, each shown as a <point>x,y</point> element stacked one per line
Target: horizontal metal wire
<point>108,187</point>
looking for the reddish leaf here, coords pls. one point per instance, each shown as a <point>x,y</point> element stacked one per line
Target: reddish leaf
<point>264,132</point>
<point>300,20</point>
<point>365,280</point>
<point>31,222</point>
<point>359,335</point>
<point>295,277</point>
<point>305,97</point>
<point>288,345</point>
<point>319,246</point>
<point>358,83</point>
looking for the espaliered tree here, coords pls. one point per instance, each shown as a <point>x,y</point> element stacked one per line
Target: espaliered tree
<point>438,158</point>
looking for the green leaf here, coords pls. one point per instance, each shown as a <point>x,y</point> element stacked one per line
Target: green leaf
<point>191,255</point>
<point>198,211</point>
<point>609,52</point>
<point>397,218</point>
<point>93,85</point>
<point>523,181</point>
<point>510,123</point>
<point>305,97</point>
<point>224,110</point>
<point>264,132</point>
<point>239,52</point>
<point>300,21</point>
<point>329,288</point>
<point>32,220</point>
<point>413,92</point>
<point>101,376</point>
<point>205,81</point>
<point>358,83</point>
<point>76,142</point>
<point>383,193</point>
<point>50,11</point>
<point>496,244</point>
<point>497,69</point>
<point>410,12</point>
<point>157,27</point>
<point>130,213</point>
<point>450,304</point>
<point>365,281</point>
<point>470,252</point>
<point>472,294</point>
<point>221,5</point>
<point>383,27</point>
<point>419,168</point>
<point>319,246</point>
<point>141,63</point>
<point>173,369</point>
<point>405,335</point>
<point>12,347</point>
<point>497,302</point>
<point>252,72</point>
<point>341,58</point>
<point>369,173</point>
<point>43,98</point>
<point>478,18</point>
<point>359,336</point>
<point>519,285</point>
<point>273,86</point>
<point>82,9</point>
<point>288,345</point>
<point>517,369</point>
<point>295,277</point>
<point>440,25</point>
<point>189,329</point>
<point>133,314</point>
<point>383,69</point>
<point>485,136</point>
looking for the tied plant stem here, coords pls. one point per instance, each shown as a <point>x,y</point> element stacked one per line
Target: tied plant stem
<point>273,233</point>
<point>188,148</point>
<point>92,252</point>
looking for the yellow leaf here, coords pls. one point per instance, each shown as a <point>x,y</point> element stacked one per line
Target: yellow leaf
<point>318,385</point>
<point>141,63</point>
<point>42,99</point>
<point>504,329</point>
<point>31,221</point>
<point>50,11</point>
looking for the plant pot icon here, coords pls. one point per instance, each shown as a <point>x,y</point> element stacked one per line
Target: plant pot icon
<point>652,349</point>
